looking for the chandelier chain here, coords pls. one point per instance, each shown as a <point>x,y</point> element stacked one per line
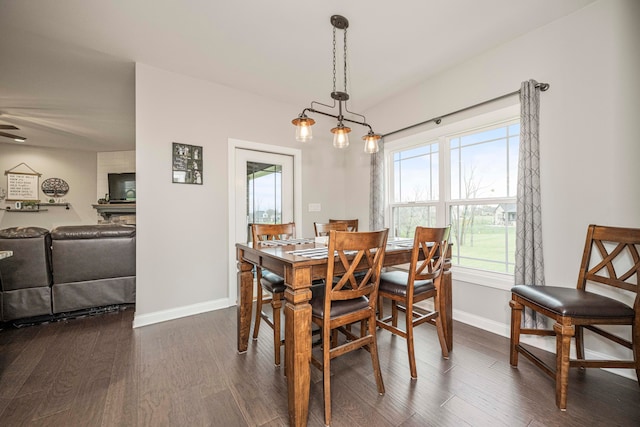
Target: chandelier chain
<point>334,59</point>
<point>345,60</point>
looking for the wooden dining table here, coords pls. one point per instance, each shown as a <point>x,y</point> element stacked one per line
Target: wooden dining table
<point>300,269</point>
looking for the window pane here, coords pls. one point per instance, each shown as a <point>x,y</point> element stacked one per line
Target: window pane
<point>485,165</point>
<point>415,173</point>
<point>264,193</point>
<point>407,218</point>
<point>483,236</point>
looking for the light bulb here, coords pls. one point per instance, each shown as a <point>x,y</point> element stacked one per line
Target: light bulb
<point>340,136</point>
<point>371,143</point>
<point>303,132</point>
<point>303,128</point>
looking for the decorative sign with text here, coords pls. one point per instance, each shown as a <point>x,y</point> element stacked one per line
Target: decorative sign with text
<point>22,186</point>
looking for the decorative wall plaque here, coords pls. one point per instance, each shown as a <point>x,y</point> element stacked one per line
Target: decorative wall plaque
<point>55,187</point>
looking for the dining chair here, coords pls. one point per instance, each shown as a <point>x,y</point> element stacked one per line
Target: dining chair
<point>347,300</point>
<point>610,266</point>
<point>270,282</point>
<point>352,224</point>
<point>322,229</point>
<point>421,282</point>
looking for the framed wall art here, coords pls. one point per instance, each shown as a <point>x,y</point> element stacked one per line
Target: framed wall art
<point>187,164</point>
<point>22,186</point>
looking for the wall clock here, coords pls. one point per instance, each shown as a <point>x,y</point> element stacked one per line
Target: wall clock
<point>55,187</point>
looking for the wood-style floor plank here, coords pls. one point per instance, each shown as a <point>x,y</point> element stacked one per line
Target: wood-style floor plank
<point>97,370</point>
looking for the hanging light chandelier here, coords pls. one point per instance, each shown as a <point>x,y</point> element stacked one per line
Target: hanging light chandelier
<point>340,132</point>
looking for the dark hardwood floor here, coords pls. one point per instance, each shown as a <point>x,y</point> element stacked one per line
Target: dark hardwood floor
<point>98,371</point>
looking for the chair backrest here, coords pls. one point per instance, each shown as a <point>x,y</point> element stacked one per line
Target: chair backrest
<point>615,261</point>
<point>433,244</point>
<point>262,232</point>
<point>352,224</point>
<point>323,229</point>
<point>354,251</point>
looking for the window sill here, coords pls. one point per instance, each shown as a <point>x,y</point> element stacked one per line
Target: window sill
<point>490,279</point>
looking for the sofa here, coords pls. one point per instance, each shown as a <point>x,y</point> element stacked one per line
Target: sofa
<point>67,270</point>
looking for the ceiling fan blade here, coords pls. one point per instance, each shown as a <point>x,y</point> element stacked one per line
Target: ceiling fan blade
<point>9,127</point>
<point>14,137</point>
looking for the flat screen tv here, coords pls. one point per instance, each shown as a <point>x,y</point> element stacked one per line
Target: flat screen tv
<point>122,187</point>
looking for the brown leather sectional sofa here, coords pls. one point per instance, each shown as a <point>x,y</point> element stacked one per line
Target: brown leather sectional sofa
<point>68,269</point>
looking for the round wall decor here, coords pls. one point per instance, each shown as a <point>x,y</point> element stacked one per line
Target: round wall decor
<point>55,187</point>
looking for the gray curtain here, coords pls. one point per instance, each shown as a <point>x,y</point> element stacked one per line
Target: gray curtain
<point>529,268</point>
<point>376,189</point>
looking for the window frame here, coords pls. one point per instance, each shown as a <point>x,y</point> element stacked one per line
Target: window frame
<point>441,135</point>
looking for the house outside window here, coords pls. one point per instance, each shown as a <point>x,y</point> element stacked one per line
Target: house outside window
<point>464,175</point>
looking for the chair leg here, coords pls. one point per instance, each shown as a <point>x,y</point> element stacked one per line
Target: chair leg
<point>563,346</point>
<point>256,322</point>
<point>394,313</point>
<point>276,304</point>
<point>441,337</point>
<point>373,349</point>
<point>410,347</point>
<point>635,333</point>
<point>516,322</point>
<point>440,327</point>
<point>579,343</point>
<point>326,374</point>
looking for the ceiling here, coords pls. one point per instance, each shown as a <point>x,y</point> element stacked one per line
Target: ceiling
<point>67,66</point>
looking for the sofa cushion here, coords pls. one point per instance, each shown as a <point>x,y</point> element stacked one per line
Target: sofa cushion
<point>30,265</point>
<point>92,252</point>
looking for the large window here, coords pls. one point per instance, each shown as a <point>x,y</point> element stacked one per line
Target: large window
<point>466,178</point>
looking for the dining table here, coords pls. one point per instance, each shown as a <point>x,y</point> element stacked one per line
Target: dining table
<point>301,262</point>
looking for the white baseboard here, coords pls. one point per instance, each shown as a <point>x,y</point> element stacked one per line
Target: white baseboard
<point>178,312</point>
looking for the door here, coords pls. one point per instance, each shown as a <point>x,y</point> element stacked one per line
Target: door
<point>264,185</point>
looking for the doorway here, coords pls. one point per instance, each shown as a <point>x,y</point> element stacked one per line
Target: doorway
<point>265,188</point>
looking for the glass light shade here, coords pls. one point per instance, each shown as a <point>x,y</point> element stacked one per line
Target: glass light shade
<point>340,136</point>
<point>371,143</point>
<point>303,132</point>
<point>303,128</point>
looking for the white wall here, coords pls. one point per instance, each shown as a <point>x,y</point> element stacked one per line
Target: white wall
<point>77,168</point>
<point>590,132</point>
<point>182,254</point>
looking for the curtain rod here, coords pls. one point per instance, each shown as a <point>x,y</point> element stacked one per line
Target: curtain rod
<point>543,87</point>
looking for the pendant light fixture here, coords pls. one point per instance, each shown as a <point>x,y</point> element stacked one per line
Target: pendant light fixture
<point>340,132</point>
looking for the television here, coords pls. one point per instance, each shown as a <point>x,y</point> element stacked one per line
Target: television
<point>122,187</point>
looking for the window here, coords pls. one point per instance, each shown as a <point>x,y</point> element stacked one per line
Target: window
<point>464,175</point>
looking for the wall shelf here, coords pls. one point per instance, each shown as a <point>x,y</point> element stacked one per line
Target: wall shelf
<point>25,210</point>
<point>66,205</point>
<point>108,210</point>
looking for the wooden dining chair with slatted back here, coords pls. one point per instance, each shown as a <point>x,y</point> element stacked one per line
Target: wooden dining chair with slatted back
<point>352,224</point>
<point>271,283</point>
<point>421,282</point>
<point>322,229</point>
<point>347,300</point>
<point>610,266</point>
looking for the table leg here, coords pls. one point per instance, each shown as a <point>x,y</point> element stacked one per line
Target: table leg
<point>298,353</point>
<point>245,302</point>
<point>447,318</point>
